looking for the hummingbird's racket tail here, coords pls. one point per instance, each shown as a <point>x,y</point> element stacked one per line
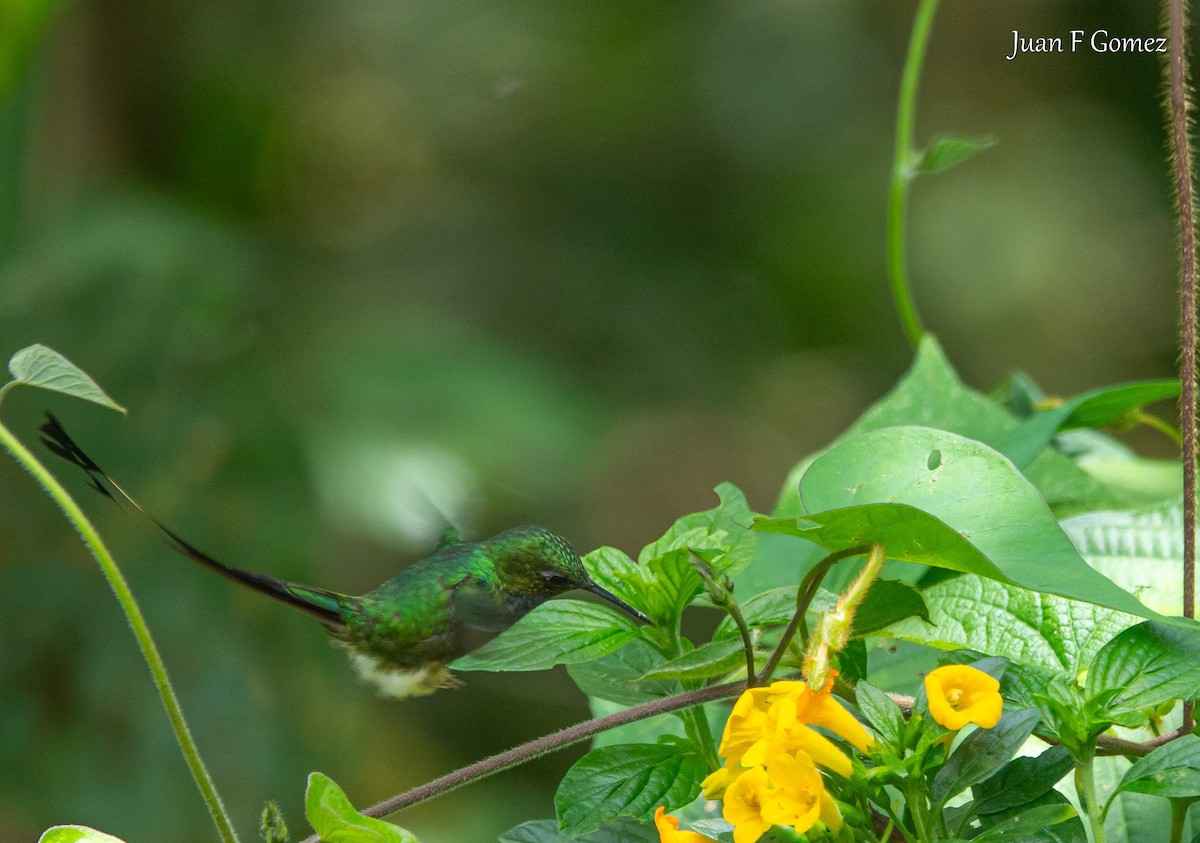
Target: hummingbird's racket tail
<point>324,605</point>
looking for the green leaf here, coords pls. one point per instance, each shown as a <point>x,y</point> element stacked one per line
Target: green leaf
<point>1028,824</point>
<point>1023,626</point>
<point>661,585</point>
<point>44,367</point>
<point>1171,770</point>
<point>1022,781</point>
<point>615,677</point>
<point>76,834</point>
<point>1098,408</point>
<point>1140,550</point>
<point>975,513</point>
<point>772,607</point>
<point>334,819</point>
<point>1152,663</point>
<point>725,528</point>
<point>546,831</point>
<point>944,153</point>
<point>627,780</point>
<point>556,632</point>
<point>982,752</point>
<point>881,712</point>
<point>715,658</point>
<point>931,395</point>
<point>887,602</point>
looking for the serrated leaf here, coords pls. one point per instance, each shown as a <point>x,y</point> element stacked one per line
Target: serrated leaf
<point>1171,770</point>
<point>1097,408</point>
<point>1021,781</point>
<point>627,780</point>
<point>974,513</point>
<point>944,153</point>
<point>546,831</point>
<point>615,677</point>
<point>983,752</point>
<point>335,820</point>
<point>556,632</point>
<point>44,367</point>
<point>1151,663</point>
<point>661,586</point>
<point>76,834</point>
<point>715,658</point>
<point>1025,627</point>
<point>1141,550</point>
<point>724,528</point>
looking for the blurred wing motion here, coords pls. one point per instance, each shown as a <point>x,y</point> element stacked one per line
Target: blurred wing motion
<point>325,606</point>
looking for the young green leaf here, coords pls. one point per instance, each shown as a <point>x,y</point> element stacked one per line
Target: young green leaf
<point>627,780</point>
<point>881,712</point>
<point>944,153</point>
<point>335,820</point>
<point>556,632</point>
<point>715,658</point>
<point>1025,627</point>
<point>1021,781</point>
<point>271,825</point>
<point>1098,408</point>
<point>546,831</point>
<point>76,834</point>
<point>1152,663</point>
<point>724,528</point>
<point>44,367</point>
<point>1171,770</point>
<point>983,752</point>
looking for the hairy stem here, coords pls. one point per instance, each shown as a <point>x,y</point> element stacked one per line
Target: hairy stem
<point>545,745</point>
<point>1181,154</point>
<point>902,172</point>
<point>804,597</point>
<point>137,623</point>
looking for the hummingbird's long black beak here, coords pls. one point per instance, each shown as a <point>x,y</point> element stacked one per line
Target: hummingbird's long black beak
<point>616,601</point>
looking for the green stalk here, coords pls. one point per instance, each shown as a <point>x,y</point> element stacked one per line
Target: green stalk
<point>136,621</point>
<point>1085,786</point>
<point>902,172</point>
<point>1179,812</point>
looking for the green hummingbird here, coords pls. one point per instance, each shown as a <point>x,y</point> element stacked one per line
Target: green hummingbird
<point>401,635</point>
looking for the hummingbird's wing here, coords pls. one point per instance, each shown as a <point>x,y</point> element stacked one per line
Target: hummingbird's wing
<point>325,606</point>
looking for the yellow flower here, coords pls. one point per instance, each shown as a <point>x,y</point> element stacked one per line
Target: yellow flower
<point>959,695</point>
<point>743,806</point>
<point>797,796</point>
<point>767,722</point>
<point>784,734</point>
<point>668,830</point>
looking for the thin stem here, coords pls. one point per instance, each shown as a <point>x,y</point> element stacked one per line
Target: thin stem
<point>735,612</point>
<point>1181,155</point>
<point>545,745</point>
<point>804,597</point>
<point>1161,425</point>
<point>902,172</point>
<point>695,724</point>
<point>136,621</point>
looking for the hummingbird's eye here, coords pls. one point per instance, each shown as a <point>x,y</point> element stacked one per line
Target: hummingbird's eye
<point>555,579</point>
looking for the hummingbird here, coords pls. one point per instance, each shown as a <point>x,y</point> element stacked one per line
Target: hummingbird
<point>401,636</point>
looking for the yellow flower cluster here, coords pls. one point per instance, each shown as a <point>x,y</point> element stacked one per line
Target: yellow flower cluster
<point>772,754</point>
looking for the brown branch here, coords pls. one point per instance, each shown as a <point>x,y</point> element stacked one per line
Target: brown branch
<point>1181,156</point>
<point>543,746</point>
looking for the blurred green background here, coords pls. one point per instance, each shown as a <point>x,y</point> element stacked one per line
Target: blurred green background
<point>563,263</point>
